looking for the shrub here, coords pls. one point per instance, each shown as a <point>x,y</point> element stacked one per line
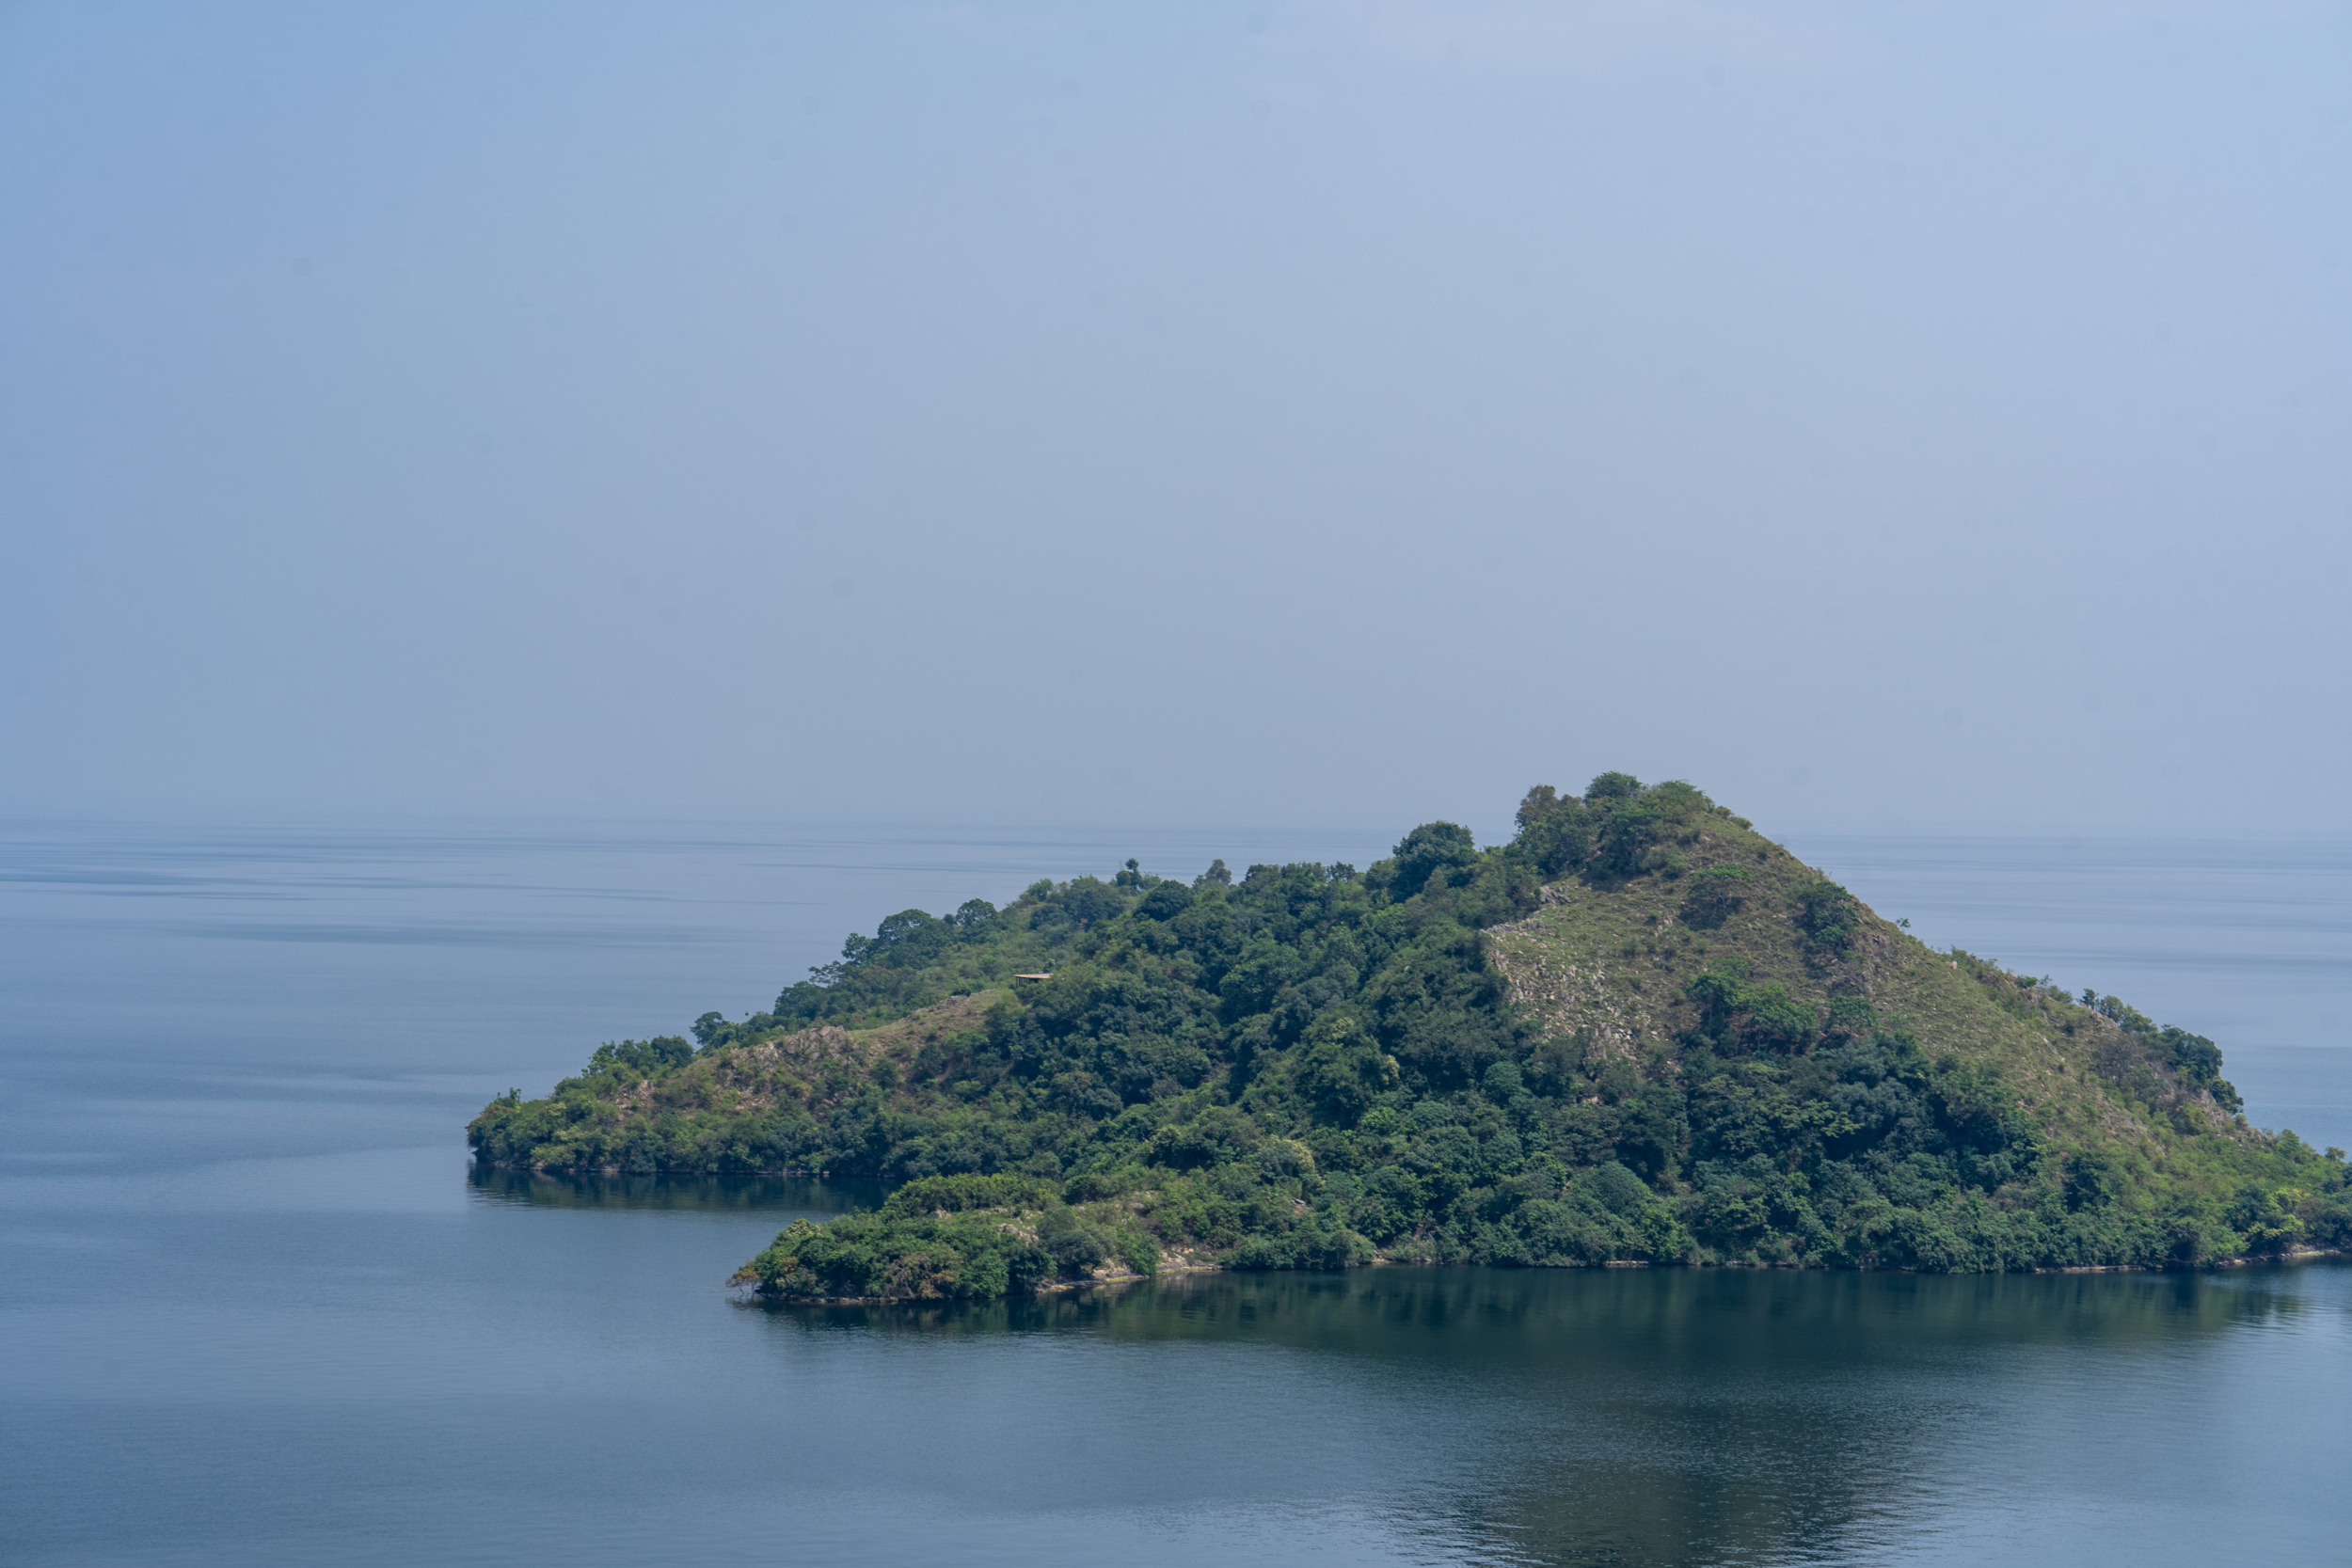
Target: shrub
<point>1714,895</point>
<point>1827,915</point>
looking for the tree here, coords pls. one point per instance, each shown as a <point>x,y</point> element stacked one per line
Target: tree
<point>1343,1069</point>
<point>1432,847</point>
<point>1827,915</point>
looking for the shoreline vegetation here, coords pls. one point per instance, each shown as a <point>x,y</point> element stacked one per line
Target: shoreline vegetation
<point>1638,1033</point>
<point>754,1294</point>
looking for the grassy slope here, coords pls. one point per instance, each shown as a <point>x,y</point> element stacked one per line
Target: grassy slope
<point>820,1065</point>
<point>1611,963</point>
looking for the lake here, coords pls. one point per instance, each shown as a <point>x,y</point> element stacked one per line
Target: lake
<point>257,1307</point>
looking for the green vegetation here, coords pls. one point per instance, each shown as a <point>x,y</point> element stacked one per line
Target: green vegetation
<point>1639,1032</point>
<point>953,1238</point>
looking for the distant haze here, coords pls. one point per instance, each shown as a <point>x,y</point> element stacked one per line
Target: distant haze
<point>1929,417</point>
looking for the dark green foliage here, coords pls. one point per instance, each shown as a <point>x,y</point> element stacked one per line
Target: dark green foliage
<point>1306,1066</point>
<point>1625,838</point>
<point>2093,1180</point>
<point>641,1058</point>
<point>954,1195</point>
<point>1827,915</point>
<point>1165,901</point>
<point>1342,1072</point>
<point>1715,895</point>
<point>939,1238</point>
<point>1618,831</point>
<point>1555,835</point>
<point>1074,1245</point>
<point>1432,851</point>
<point>1734,1013</point>
<point>898,1257</point>
<point>2199,1060</point>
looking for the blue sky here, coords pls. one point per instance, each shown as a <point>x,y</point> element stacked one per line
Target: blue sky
<point>1919,416</point>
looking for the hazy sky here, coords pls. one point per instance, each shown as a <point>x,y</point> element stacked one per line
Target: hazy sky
<point>1927,415</point>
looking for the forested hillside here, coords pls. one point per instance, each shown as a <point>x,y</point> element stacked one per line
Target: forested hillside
<point>1639,1032</point>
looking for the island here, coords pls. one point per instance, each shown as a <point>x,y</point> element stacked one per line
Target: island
<point>1639,1032</point>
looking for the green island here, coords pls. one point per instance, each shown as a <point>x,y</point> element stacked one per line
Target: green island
<point>1639,1032</point>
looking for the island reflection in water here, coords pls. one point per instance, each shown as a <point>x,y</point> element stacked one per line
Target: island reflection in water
<point>1532,1415</point>
<point>1657,1416</point>
<point>817,1196</point>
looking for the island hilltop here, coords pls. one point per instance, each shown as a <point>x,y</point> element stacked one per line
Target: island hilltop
<point>1638,1033</point>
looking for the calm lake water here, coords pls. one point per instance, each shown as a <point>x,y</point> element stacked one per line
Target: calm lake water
<point>256,1308</point>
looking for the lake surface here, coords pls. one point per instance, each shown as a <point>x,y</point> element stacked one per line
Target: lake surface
<point>256,1308</point>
